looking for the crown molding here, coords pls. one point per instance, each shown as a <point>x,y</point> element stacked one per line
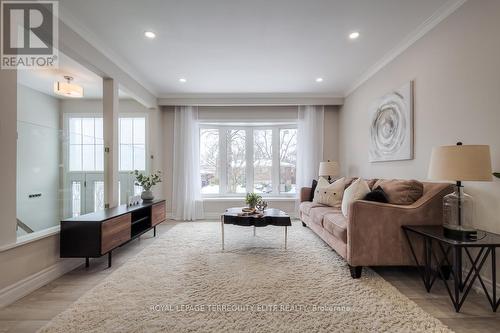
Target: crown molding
<point>442,13</point>
<point>249,99</point>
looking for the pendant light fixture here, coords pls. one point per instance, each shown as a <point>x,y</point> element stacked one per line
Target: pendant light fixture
<point>67,88</point>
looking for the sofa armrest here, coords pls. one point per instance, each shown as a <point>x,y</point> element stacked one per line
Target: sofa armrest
<point>374,235</point>
<point>305,193</point>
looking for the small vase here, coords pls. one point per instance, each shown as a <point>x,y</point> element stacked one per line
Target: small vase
<point>147,195</point>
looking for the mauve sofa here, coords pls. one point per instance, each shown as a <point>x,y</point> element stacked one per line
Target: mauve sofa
<point>371,235</point>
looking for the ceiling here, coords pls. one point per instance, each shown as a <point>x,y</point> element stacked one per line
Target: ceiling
<point>43,80</point>
<point>241,46</point>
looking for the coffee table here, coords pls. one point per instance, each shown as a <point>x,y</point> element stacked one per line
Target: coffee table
<point>270,216</point>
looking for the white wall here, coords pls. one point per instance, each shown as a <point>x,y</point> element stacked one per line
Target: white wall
<point>456,69</point>
<point>38,147</point>
<point>213,207</point>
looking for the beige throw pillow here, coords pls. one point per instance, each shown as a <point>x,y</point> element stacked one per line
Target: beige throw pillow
<point>329,194</point>
<point>356,191</point>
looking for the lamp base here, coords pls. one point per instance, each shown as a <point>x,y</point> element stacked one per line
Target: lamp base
<point>459,233</point>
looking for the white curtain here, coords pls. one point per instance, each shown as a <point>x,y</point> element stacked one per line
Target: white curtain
<point>186,196</point>
<point>309,143</point>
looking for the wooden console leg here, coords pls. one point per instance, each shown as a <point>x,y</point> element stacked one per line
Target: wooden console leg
<point>154,231</point>
<point>355,271</point>
<point>109,259</point>
<point>87,262</point>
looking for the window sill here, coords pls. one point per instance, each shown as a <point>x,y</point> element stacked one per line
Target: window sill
<point>26,239</point>
<point>285,199</point>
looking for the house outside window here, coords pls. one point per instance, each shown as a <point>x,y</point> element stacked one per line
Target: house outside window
<point>235,160</point>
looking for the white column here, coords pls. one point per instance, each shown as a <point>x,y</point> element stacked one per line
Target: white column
<point>8,144</point>
<point>110,124</point>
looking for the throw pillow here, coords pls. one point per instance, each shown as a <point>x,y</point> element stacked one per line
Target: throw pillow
<point>357,191</point>
<point>377,195</point>
<point>401,192</point>
<point>313,188</point>
<point>329,194</point>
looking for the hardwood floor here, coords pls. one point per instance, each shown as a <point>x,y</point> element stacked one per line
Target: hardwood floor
<point>475,316</point>
<point>36,309</point>
<point>33,311</point>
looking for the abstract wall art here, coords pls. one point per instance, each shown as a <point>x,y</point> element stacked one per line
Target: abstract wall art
<point>391,127</point>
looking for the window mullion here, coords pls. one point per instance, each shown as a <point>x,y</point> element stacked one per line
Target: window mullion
<point>276,160</point>
<point>249,159</point>
<point>223,160</point>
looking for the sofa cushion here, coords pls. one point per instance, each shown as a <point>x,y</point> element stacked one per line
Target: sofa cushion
<point>371,183</point>
<point>306,206</point>
<point>329,194</point>
<point>317,213</point>
<point>336,224</point>
<point>348,181</point>
<point>401,192</point>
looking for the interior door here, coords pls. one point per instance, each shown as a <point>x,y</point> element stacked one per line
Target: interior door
<point>94,192</point>
<point>75,195</point>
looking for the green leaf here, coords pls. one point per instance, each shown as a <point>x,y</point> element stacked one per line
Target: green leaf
<point>496,174</point>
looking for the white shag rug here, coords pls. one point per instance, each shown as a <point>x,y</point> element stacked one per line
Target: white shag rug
<point>184,282</point>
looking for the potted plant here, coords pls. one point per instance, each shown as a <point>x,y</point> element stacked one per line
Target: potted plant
<point>146,182</point>
<point>252,199</point>
<point>496,174</point>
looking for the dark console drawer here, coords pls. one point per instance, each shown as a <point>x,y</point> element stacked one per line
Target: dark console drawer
<point>115,232</point>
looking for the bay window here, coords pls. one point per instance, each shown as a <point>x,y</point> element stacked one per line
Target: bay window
<point>235,160</point>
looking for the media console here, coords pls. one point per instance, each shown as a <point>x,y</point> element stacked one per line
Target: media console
<point>96,234</point>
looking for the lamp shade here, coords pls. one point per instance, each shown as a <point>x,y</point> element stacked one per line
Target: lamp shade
<point>328,169</point>
<point>461,163</point>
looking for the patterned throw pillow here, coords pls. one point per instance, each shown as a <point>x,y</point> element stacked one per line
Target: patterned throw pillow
<point>329,194</point>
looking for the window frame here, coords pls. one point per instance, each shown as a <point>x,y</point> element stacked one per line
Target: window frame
<point>146,139</point>
<point>249,157</point>
<point>67,134</point>
<point>66,154</point>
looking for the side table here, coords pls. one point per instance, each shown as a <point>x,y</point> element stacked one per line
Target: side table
<point>486,245</point>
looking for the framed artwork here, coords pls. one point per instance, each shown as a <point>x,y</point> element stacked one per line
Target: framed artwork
<point>391,126</point>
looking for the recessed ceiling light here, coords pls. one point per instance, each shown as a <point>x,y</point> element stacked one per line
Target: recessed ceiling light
<point>149,34</point>
<point>319,79</point>
<point>354,35</point>
<point>182,80</point>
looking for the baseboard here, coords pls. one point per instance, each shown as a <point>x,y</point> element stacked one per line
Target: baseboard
<point>18,290</point>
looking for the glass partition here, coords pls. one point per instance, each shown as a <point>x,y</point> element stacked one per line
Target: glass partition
<point>60,173</point>
<point>60,150</point>
<point>40,196</point>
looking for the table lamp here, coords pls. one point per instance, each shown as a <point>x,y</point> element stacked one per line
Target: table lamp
<point>460,163</point>
<point>329,169</point>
